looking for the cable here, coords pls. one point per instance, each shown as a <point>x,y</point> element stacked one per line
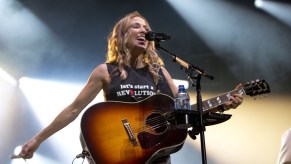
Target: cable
<point>83,155</point>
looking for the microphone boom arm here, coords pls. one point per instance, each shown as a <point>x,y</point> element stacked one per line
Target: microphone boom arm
<point>188,66</point>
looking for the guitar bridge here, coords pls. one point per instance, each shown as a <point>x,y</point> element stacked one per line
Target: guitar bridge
<point>129,132</point>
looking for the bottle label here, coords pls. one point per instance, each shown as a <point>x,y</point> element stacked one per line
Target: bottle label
<point>182,103</point>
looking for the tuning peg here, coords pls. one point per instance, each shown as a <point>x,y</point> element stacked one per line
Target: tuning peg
<point>247,84</point>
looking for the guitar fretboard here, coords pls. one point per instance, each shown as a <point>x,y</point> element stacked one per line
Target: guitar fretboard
<point>219,100</point>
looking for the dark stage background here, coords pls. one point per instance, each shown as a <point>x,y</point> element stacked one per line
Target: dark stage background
<point>65,40</point>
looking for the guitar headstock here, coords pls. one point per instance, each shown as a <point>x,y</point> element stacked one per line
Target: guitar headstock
<point>257,87</point>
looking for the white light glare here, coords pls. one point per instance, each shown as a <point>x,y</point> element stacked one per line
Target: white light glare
<point>5,76</point>
<point>47,99</point>
<point>35,160</point>
<point>178,82</point>
<point>17,150</point>
<point>259,3</point>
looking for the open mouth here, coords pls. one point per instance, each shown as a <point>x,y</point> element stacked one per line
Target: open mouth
<point>141,38</point>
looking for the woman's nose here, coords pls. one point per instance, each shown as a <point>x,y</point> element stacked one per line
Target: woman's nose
<point>143,30</point>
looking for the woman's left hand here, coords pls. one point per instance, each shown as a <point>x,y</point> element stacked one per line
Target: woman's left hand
<point>235,99</point>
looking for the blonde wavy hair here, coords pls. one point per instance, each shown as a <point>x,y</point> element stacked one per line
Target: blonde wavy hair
<point>118,52</point>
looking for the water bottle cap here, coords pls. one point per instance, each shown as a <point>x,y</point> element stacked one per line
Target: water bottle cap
<point>181,88</point>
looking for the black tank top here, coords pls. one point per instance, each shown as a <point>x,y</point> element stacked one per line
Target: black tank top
<point>138,85</point>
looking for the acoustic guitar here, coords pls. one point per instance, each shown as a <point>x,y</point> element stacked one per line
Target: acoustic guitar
<point>139,132</point>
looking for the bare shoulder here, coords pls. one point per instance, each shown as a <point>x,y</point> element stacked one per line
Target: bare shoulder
<point>100,74</point>
<point>169,80</point>
<point>101,68</point>
<point>165,72</point>
<point>100,71</point>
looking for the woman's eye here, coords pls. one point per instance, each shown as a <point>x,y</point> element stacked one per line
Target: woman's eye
<point>135,26</point>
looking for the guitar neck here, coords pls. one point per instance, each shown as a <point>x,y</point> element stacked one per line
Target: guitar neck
<point>209,104</point>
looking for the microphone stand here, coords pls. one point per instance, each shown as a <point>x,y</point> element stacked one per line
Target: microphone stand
<point>195,81</point>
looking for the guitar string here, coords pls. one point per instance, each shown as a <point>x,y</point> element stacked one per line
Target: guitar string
<point>151,128</point>
<point>153,120</point>
<point>146,125</point>
<point>223,98</point>
<point>150,124</point>
<point>162,120</point>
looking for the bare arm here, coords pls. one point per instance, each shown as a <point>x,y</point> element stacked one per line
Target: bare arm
<point>170,81</point>
<point>93,86</point>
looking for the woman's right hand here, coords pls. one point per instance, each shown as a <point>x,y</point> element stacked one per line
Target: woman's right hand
<point>29,148</point>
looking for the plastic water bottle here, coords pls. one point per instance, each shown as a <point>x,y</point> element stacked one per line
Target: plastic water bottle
<point>182,99</point>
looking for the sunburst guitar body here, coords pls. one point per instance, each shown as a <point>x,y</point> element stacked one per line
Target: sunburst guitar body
<point>122,132</point>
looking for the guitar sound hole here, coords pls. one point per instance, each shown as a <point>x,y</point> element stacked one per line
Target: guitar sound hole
<point>156,123</point>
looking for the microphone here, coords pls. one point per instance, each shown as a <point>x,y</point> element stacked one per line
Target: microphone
<point>153,36</point>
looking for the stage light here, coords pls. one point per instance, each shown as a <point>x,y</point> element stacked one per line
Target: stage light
<point>259,3</point>
<point>278,9</point>
<point>47,99</point>
<point>8,85</point>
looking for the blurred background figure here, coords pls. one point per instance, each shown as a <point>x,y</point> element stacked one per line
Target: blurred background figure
<point>285,150</point>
